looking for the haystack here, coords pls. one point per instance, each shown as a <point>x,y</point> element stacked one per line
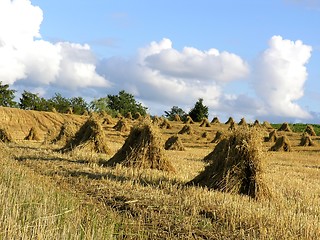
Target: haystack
<point>165,124</point>
<point>119,116</point>
<point>232,126</point>
<point>70,110</point>
<point>129,115</point>
<point>5,136</point>
<point>205,123</point>
<point>121,126</point>
<point>33,134</point>
<point>174,143</point>
<point>49,136</point>
<point>306,140</point>
<point>309,129</point>
<point>220,148</point>
<point>148,118</point>
<point>137,116</point>
<point>282,144</point>
<point>256,123</point>
<point>142,149</point>
<point>156,121</point>
<point>90,137</point>
<point>215,120</point>
<point>66,133</point>
<point>186,130</point>
<point>189,120</point>
<point>94,115</point>
<point>267,125</point>
<point>106,119</point>
<point>85,113</point>
<point>236,166</point>
<point>242,122</point>
<point>177,118</point>
<point>285,127</point>
<point>218,137</point>
<point>272,136</point>
<point>230,120</point>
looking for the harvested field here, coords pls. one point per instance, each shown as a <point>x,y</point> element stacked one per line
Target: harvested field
<point>78,196</point>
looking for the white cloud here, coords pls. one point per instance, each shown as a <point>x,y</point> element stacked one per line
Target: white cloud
<point>25,58</point>
<point>279,77</point>
<point>192,63</point>
<point>159,73</point>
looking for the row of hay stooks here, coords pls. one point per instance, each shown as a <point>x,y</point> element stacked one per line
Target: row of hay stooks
<point>234,165</point>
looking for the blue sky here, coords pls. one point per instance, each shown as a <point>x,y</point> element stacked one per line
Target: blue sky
<point>253,59</point>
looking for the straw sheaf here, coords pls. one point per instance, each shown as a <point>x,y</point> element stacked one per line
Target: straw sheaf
<point>142,149</point>
<point>90,137</point>
<point>236,165</point>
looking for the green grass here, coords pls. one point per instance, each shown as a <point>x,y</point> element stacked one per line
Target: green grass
<point>298,127</point>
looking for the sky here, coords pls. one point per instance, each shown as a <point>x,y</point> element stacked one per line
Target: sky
<point>253,59</point>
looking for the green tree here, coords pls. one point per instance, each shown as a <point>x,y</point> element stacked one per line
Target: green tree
<point>61,104</point>
<point>175,110</point>
<point>125,102</point>
<point>7,96</point>
<point>45,105</point>
<point>30,101</point>
<point>199,111</point>
<point>79,105</point>
<point>100,104</point>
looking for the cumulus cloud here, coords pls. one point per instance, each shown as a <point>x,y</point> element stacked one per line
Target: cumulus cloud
<point>191,63</point>
<point>279,76</point>
<point>162,74</point>
<point>25,58</point>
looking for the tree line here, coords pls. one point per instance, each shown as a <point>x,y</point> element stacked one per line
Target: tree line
<point>122,103</point>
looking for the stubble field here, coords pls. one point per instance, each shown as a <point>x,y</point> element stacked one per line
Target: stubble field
<point>46,194</point>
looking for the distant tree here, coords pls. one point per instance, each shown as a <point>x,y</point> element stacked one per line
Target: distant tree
<point>79,105</point>
<point>61,104</point>
<point>30,101</point>
<point>102,105</point>
<point>199,111</point>
<point>99,105</point>
<point>45,105</point>
<point>7,96</point>
<point>125,102</point>
<point>175,110</point>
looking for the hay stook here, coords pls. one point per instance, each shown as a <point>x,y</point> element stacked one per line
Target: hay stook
<point>90,137</point>
<point>309,129</point>
<point>174,143</point>
<point>282,144</point>
<point>236,165</point>
<point>33,134</point>
<point>215,120</point>
<point>5,136</point>
<point>66,133</point>
<point>121,126</point>
<point>189,120</point>
<point>217,137</point>
<point>186,129</point>
<point>306,140</point>
<point>273,136</point>
<point>285,127</point>
<point>205,123</point>
<point>142,149</point>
